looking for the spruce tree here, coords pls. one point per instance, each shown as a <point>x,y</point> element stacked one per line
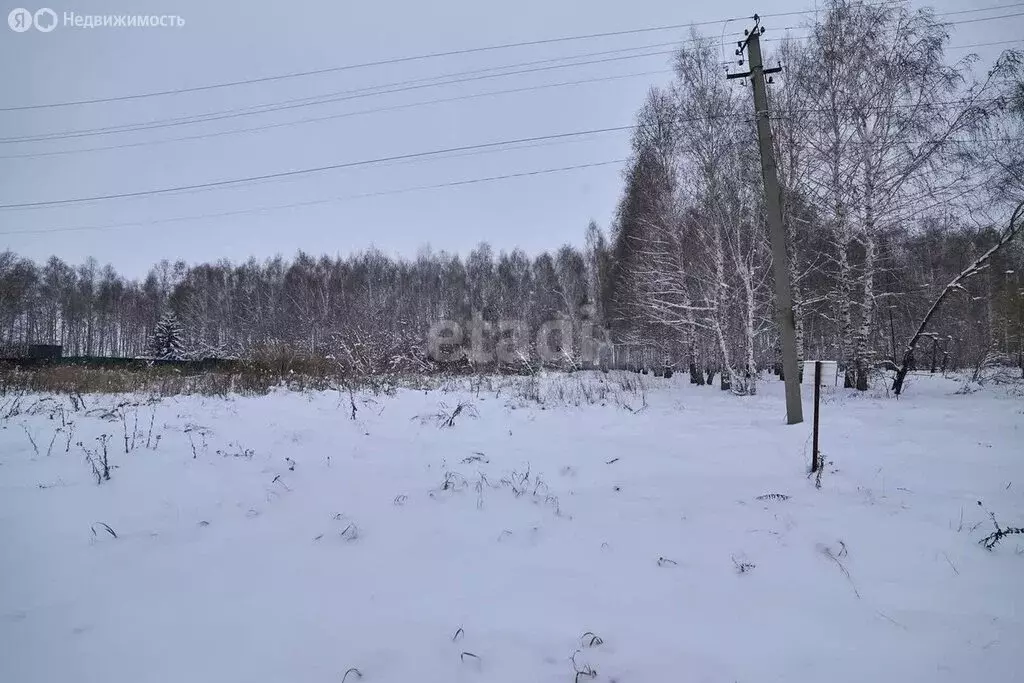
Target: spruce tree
<point>168,340</point>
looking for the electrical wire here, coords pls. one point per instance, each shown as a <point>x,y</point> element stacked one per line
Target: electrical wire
<point>298,172</point>
<point>450,53</point>
<point>342,96</point>
<point>306,102</point>
<point>277,207</point>
<point>399,157</point>
<point>382,62</point>
<point>361,112</point>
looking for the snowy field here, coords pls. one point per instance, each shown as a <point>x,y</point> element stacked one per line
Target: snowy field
<point>580,527</point>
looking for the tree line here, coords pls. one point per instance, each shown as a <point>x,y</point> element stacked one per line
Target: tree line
<point>364,310</point>
<point>899,165</point>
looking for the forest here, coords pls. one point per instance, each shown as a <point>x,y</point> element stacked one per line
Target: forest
<point>899,166</point>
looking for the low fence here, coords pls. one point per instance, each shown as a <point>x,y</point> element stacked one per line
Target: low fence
<point>131,364</point>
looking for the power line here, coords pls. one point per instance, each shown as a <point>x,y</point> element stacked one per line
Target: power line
<point>341,96</point>
<point>345,95</point>
<point>501,67</point>
<point>926,141</point>
<point>382,62</point>
<point>329,200</point>
<point>994,42</point>
<point>1017,41</point>
<point>974,21</point>
<point>449,53</point>
<point>361,112</point>
<point>990,8</point>
<point>947,47</point>
<point>418,188</point>
<point>338,97</point>
<point>455,152</point>
<point>300,172</point>
<point>352,164</point>
<point>404,157</point>
<point>815,11</point>
<point>939,104</point>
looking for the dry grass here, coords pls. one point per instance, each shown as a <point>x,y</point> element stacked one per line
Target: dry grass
<point>19,386</point>
<point>622,389</point>
<point>160,380</point>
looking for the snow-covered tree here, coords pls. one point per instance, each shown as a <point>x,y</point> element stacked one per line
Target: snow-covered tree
<point>168,340</point>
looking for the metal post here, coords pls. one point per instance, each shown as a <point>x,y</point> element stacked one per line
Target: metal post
<point>815,457</point>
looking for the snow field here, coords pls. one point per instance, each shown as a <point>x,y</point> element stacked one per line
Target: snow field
<point>276,539</point>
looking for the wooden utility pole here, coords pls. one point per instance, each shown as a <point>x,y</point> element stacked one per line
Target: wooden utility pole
<point>773,201</point>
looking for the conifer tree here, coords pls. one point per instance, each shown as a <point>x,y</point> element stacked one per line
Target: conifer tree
<point>168,340</point>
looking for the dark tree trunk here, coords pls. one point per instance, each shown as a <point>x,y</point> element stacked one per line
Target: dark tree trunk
<point>862,377</point>
<point>696,376</point>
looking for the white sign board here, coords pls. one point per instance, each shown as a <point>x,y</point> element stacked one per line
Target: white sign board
<point>829,373</point>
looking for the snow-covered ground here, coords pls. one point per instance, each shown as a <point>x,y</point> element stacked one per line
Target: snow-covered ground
<point>275,539</point>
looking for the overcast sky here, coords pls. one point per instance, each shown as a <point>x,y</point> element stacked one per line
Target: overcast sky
<point>229,40</point>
